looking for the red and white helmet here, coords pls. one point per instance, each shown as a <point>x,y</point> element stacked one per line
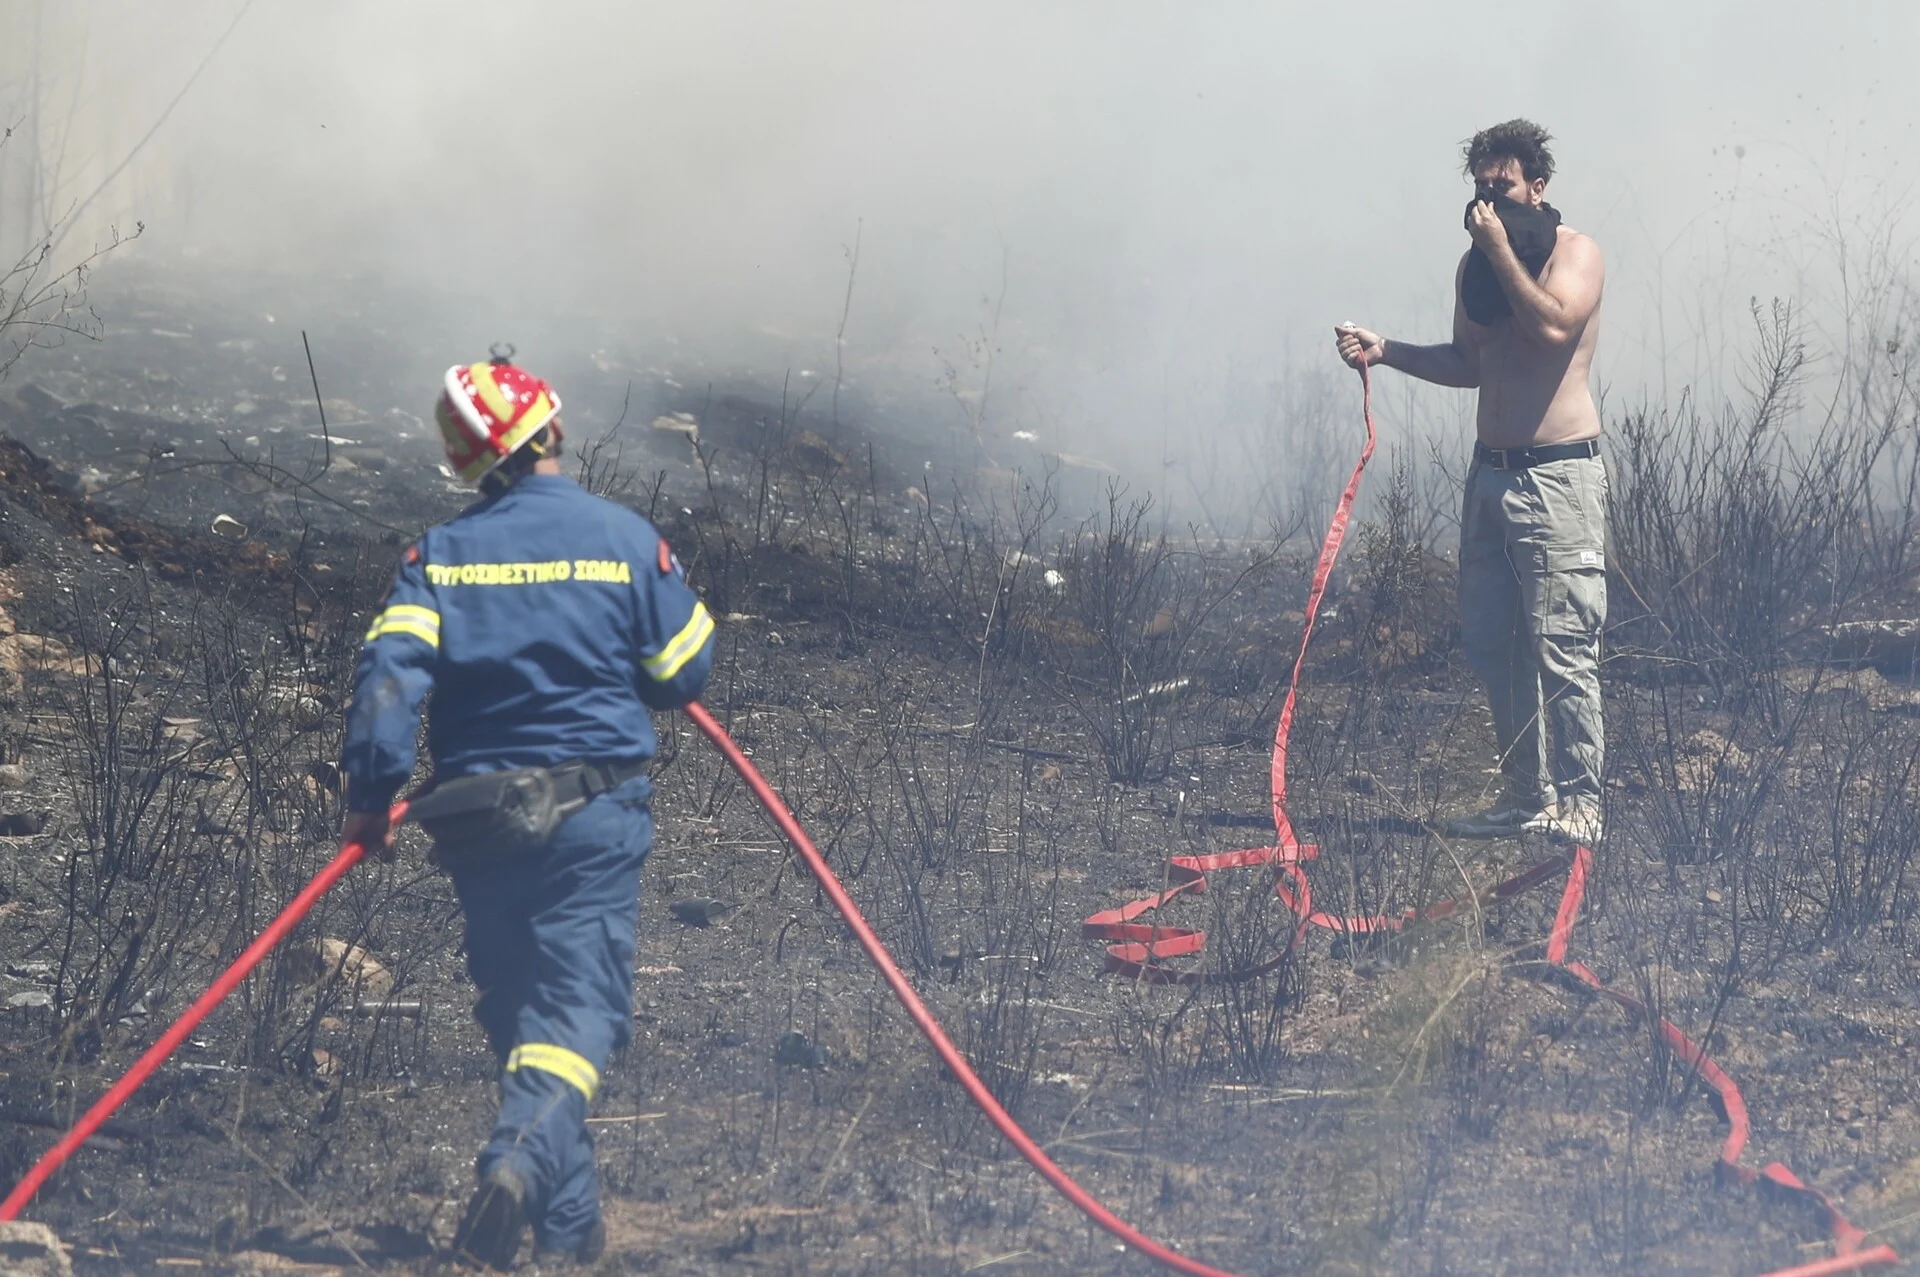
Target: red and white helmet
<point>488,410</point>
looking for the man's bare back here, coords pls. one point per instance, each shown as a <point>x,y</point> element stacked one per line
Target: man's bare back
<point>1531,367</point>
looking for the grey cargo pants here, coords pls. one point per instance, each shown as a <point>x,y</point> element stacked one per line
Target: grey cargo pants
<point>1533,596</point>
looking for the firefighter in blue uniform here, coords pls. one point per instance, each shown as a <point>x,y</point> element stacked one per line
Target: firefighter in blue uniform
<point>546,622</point>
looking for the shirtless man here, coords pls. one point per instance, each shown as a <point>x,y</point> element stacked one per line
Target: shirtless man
<point>1533,586</point>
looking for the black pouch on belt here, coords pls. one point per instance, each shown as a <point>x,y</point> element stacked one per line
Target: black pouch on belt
<point>511,813</point>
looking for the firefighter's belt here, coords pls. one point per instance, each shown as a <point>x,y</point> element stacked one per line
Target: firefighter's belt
<point>512,813</point>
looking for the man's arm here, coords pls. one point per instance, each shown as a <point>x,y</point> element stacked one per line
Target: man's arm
<point>391,682</point>
<point>675,639</point>
<point>1453,363</point>
<point>1554,309</point>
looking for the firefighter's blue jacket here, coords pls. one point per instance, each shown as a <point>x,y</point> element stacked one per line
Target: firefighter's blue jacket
<point>545,621</point>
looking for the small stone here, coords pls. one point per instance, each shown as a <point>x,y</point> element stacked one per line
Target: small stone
<point>304,710</point>
<point>14,776</point>
<point>20,653</point>
<point>699,912</point>
<point>29,1000</point>
<point>229,527</point>
<point>318,961</point>
<point>22,824</point>
<point>815,453</point>
<point>795,1050</point>
<point>679,423</point>
<point>31,1250</point>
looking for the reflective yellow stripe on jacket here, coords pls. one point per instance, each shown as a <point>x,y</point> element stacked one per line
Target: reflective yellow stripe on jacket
<point>407,618</point>
<point>682,647</point>
<point>570,1067</point>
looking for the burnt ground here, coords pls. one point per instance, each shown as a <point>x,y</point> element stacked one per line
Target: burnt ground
<point>987,756</point>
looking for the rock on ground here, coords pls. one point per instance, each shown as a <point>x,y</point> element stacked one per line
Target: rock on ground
<point>31,1250</point>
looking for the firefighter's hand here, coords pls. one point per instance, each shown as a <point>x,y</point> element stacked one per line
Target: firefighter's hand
<point>370,830</point>
<point>1357,346</point>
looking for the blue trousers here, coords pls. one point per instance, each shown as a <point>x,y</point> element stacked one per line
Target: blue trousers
<point>550,946</point>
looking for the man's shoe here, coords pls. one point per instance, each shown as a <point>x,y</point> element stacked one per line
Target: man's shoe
<point>1577,823</point>
<point>588,1252</point>
<point>1507,818</point>
<point>496,1218</point>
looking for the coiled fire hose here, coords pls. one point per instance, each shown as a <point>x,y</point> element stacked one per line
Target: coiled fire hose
<point>1139,954</point>
<point>1140,949</point>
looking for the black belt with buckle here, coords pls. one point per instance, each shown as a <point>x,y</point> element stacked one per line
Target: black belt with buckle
<point>596,778</point>
<point>513,812</point>
<point>1521,458</point>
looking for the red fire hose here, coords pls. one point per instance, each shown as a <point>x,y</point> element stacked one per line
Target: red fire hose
<point>350,855</point>
<point>1141,954</point>
<point>1141,949</point>
<point>942,1045</point>
<point>216,993</point>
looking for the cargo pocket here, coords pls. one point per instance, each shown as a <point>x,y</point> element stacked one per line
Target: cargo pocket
<point>1573,594</point>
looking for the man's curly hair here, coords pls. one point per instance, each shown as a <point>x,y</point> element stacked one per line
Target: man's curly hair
<point>1521,140</point>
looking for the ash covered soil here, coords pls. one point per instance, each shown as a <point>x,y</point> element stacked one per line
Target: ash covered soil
<point>987,754</point>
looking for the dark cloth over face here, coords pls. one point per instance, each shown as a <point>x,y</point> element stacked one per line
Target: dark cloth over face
<point>1532,232</point>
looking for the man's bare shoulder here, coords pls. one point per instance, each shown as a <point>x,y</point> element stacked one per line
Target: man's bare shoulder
<point>1575,257</point>
<point>1575,246</point>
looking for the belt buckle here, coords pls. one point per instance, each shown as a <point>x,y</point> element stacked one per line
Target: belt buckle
<point>1499,457</point>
